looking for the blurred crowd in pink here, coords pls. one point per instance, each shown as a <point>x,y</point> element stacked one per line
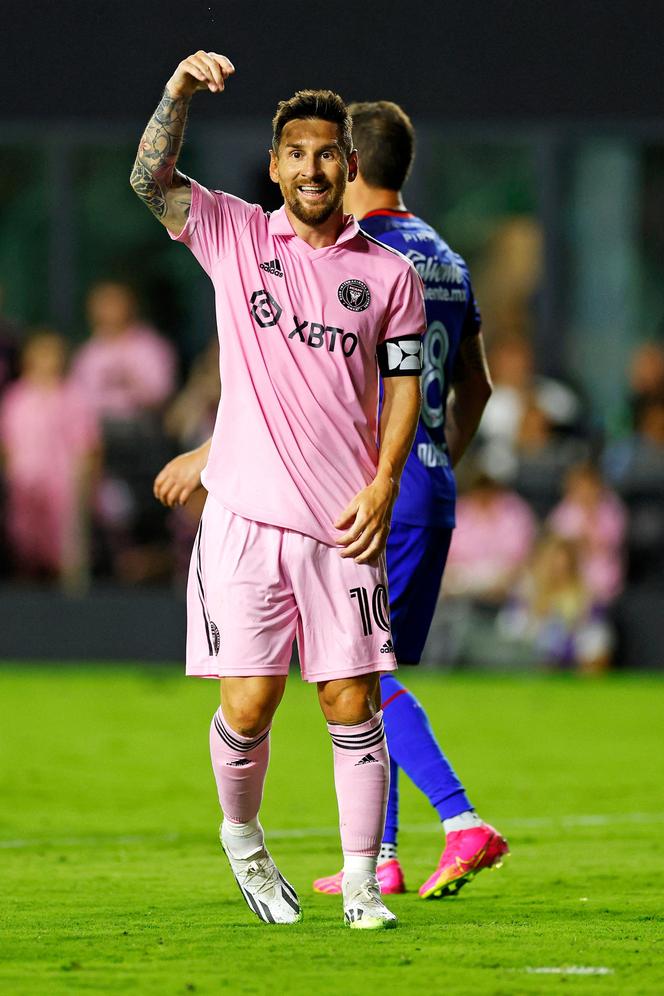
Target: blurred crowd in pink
<point>552,517</point>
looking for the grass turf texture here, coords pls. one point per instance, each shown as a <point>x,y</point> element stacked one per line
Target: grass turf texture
<point>113,881</point>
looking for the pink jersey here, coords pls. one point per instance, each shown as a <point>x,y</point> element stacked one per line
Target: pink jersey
<point>490,541</point>
<point>296,431</point>
<point>601,534</point>
<point>44,433</point>
<point>123,375</point>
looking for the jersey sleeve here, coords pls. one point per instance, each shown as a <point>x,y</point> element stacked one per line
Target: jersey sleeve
<point>472,320</point>
<point>215,223</point>
<point>399,350</point>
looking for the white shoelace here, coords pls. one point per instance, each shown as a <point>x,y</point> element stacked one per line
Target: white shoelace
<point>368,893</point>
<point>264,873</point>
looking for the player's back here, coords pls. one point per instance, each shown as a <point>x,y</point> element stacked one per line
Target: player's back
<point>428,489</point>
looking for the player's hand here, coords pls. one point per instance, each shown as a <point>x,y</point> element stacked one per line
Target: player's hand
<point>178,480</point>
<point>201,71</point>
<point>367,521</point>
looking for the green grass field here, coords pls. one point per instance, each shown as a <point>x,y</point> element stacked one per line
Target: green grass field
<point>112,880</point>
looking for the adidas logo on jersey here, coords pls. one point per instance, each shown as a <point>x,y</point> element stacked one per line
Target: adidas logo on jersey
<point>273,267</point>
<point>387,648</point>
<point>367,759</point>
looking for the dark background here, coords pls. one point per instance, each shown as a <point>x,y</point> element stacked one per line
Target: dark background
<point>501,59</point>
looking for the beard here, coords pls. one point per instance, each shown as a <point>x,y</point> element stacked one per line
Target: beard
<point>313,214</point>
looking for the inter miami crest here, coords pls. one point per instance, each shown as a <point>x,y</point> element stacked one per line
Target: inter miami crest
<point>354,295</point>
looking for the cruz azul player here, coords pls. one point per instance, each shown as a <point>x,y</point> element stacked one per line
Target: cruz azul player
<point>423,516</point>
<point>292,538</point>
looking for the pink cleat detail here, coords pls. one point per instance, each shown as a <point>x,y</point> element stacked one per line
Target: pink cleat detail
<point>389,875</point>
<point>466,853</point>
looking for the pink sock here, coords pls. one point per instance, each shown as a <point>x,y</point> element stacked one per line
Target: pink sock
<point>362,780</point>
<point>239,764</point>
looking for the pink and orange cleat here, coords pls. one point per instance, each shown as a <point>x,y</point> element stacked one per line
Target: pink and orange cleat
<point>388,873</point>
<point>466,853</point>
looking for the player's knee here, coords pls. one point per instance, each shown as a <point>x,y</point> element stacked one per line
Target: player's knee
<point>248,704</point>
<point>349,701</point>
<point>248,718</point>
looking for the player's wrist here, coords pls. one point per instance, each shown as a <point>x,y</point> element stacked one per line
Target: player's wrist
<point>178,88</point>
<point>386,478</point>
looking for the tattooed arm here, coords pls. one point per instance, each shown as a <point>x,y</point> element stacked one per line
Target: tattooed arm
<point>471,389</point>
<point>154,177</point>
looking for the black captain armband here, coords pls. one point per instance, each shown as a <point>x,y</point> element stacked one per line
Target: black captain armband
<point>400,357</point>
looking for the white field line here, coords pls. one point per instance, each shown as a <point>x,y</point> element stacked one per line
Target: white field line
<point>301,833</point>
<point>570,970</point>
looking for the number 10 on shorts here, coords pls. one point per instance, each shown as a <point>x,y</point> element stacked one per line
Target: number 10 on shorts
<point>375,608</point>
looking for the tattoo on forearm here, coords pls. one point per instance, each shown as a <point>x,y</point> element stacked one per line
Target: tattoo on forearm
<point>154,170</point>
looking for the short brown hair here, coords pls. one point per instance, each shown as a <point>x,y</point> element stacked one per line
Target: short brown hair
<point>323,104</point>
<point>384,137</point>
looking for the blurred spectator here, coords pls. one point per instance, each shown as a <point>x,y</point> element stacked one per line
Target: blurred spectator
<point>509,278</point>
<point>542,458</point>
<point>554,613</point>
<point>10,337</point>
<point>491,543</point>
<point>646,374</point>
<point>635,466</point>
<point>49,436</point>
<point>126,367</point>
<point>127,372</point>
<point>516,388</point>
<point>190,418</point>
<point>594,517</point>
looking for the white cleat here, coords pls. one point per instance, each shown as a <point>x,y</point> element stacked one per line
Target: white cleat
<point>265,890</point>
<point>363,907</point>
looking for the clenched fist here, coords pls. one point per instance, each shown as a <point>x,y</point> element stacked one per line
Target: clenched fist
<point>201,71</point>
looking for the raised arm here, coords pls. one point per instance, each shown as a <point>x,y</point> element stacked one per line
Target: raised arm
<point>471,389</point>
<point>154,178</point>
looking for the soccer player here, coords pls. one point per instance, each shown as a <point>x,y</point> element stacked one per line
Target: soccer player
<point>423,516</point>
<point>455,387</point>
<point>300,492</point>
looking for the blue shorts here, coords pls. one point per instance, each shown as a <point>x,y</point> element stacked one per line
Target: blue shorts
<point>416,557</point>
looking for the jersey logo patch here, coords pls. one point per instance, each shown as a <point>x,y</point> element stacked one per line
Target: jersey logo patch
<point>265,310</point>
<point>354,295</point>
<point>273,267</point>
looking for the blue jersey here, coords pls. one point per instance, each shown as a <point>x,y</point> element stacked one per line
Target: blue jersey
<point>428,489</point>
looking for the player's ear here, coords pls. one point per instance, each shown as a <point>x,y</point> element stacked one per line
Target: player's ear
<point>274,167</point>
<point>352,166</point>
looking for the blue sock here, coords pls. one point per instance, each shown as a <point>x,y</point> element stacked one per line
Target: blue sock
<point>392,814</point>
<point>414,748</point>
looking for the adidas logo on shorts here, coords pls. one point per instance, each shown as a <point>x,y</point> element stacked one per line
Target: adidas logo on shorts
<point>387,648</point>
<point>273,267</point>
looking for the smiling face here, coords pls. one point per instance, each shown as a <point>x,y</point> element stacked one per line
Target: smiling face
<point>312,169</point>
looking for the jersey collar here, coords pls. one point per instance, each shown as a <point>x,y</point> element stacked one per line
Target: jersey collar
<point>388,213</point>
<point>279,224</point>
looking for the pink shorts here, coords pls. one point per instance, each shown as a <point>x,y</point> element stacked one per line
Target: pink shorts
<point>254,587</point>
